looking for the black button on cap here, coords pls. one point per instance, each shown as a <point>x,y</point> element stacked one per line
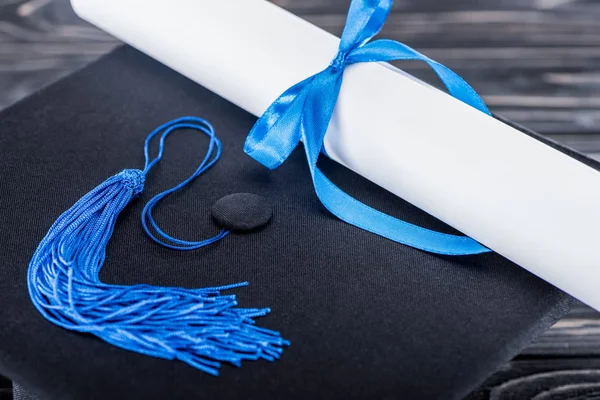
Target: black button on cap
<point>242,211</point>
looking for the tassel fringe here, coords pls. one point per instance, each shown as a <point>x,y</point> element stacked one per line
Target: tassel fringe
<point>200,327</point>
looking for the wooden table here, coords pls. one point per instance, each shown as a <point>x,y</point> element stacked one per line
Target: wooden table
<point>536,62</point>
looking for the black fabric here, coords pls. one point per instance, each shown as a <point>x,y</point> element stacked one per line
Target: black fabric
<point>367,318</point>
<point>242,212</point>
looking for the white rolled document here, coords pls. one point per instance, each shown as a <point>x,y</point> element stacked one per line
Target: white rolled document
<point>532,204</point>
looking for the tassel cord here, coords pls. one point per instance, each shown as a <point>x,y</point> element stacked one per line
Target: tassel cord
<point>201,327</point>
<point>212,155</point>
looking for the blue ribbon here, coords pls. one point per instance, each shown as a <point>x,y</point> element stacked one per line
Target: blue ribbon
<point>303,112</point>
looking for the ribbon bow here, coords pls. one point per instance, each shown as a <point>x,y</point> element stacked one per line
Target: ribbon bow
<point>303,112</point>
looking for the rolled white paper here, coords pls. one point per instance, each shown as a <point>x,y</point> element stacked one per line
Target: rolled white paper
<point>523,199</point>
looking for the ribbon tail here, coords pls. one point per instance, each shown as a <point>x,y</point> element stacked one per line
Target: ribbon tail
<point>275,135</point>
<point>318,109</point>
<point>388,50</point>
<point>365,19</point>
<point>362,216</point>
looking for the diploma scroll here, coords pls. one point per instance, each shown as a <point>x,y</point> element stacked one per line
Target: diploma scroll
<point>532,204</point>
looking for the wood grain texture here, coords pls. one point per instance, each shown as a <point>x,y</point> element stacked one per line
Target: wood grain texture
<point>40,42</point>
<point>564,363</point>
<point>5,389</point>
<point>536,62</point>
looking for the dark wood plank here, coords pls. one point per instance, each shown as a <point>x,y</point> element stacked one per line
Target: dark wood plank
<point>42,41</point>
<point>341,6</point>
<point>5,389</point>
<point>543,379</point>
<point>536,62</point>
<point>576,335</point>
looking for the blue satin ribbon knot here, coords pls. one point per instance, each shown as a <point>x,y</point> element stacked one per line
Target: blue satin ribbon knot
<point>303,112</point>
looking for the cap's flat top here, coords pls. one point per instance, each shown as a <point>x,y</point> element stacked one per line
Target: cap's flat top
<point>367,318</point>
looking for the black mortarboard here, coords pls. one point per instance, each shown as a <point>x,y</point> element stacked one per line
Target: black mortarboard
<point>366,317</point>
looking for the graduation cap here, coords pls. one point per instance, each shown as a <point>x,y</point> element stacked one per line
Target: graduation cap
<point>372,318</point>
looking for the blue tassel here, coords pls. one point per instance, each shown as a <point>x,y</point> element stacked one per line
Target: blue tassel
<point>200,327</point>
